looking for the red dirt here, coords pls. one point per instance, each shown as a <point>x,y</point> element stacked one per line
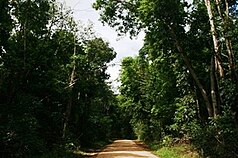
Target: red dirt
<point>125,149</point>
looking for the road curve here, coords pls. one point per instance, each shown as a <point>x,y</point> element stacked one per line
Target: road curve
<point>125,149</point>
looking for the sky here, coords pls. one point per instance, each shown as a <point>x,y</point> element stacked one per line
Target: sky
<point>123,46</point>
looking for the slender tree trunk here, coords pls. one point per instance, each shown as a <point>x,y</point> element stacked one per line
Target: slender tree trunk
<point>192,72</point>
<point>214,89</point>
<point>199,84</point>
<point>228,43</point>
<point>217,59</point>
<point>225,21</point>
<point>70,102</point>
<point>232,65</point>
<point>197,105</point>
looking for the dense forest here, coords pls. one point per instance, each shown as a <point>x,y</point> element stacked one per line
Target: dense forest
<point>53,81</point>
<point>182,86</point>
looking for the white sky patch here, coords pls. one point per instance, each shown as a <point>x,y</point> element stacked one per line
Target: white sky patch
<point>124,46</point>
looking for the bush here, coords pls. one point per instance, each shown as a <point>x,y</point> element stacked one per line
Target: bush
<point>217,139</point>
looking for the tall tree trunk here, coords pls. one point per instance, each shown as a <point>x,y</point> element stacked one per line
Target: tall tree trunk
<point>225,21</point>
<point>214,89</point>
<point>70,102</point>
<point>230,52</point>
<point>192,72</point>
<point>196,79</point>
<point>217,59</point>
<point>232,65</point>
<point>198,108</point>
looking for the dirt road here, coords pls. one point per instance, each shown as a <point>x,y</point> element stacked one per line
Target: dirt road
<point>125,149</point>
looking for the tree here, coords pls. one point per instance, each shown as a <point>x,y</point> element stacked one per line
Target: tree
<point>148,94</point>
<point>167,22</point>
<point>180,36</point>
<point>53,81</point>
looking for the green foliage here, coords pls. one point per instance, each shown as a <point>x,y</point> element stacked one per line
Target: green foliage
<point>184,115</point>
<point>217,139</point>
<point>145,91</point>
<point>169,88</point>
<point>5,25</point>
<point>177,151</point>
<point>40,52</point>
<point>53,80</point>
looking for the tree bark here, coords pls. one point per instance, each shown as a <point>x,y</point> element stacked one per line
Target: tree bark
<point>70,103</point>
<point>214,89</point>
<point>192,72</point>
<point>225,20</point>
<point>217,59</point>
<point>198,108</point>
<point>199,84</point>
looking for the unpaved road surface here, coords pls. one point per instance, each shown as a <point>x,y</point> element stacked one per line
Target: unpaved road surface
<point>125,149</point>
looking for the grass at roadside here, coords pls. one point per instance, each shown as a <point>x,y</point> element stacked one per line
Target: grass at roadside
<point>175,151</point>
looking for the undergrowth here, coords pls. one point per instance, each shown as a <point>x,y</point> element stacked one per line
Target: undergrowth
<point>178,150</point>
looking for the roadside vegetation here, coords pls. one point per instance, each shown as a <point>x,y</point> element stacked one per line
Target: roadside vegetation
<point>174,150</point>
<point>178,151</point>
<point>55,99</point>
<point>183,85</point>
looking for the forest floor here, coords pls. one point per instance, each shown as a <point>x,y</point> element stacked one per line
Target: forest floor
<point>125,149</point>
